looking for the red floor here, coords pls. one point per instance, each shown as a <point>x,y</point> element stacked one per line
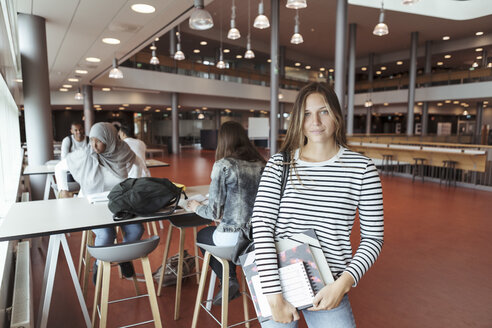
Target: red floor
<point>434,271</point>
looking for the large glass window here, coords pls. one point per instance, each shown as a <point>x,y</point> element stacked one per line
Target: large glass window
<point>10,149</point>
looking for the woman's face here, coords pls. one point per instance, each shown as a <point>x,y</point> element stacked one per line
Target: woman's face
<point>98,146</point>
<point>318,126</point>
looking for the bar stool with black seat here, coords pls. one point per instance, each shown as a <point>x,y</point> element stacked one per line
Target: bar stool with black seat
<point>192,220</point>
<point>418,168</point>
<point>223,255</point>
<point>448,172</point>
<point>118,253</point>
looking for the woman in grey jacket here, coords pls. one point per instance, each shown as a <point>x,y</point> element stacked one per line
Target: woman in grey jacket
<point>235,177</point>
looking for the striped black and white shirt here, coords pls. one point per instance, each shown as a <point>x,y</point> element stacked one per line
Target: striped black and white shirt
<point>325,199</point>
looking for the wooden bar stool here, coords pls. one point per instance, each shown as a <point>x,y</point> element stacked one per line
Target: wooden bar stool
<point>418,168</point>
<point>190,221</point>
<point>118,253</point>
<point>223,255</point>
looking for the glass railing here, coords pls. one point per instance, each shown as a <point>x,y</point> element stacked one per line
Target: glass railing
<point>208,70</point>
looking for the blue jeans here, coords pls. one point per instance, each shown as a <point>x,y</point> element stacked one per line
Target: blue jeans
<point>106,236</point>
<point>339,317</point>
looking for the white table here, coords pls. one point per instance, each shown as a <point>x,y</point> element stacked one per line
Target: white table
<point>49,169</point>
<point>151,151</point>
<point>55,217</point>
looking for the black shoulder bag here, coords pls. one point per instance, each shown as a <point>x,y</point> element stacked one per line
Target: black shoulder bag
<point>245,242</point>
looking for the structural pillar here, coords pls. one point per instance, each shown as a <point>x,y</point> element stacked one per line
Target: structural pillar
<point>427,70</point>
<point>370,78</point>
<point>340,36</point>
<point>281,68</point>
<point>478,123</point>
<point>351,79</point>
<point>217,119</point>
<point>175,123</point>
<point>36,90</point>
<point>88,108</point>
<point>172,42</point>
<point>411,84</point>
<point>274,77</point>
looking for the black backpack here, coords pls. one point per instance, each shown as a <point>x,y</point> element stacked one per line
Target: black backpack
<point>143,197</point>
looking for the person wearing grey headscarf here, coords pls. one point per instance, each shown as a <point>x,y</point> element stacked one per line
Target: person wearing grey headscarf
<point>98,169</point>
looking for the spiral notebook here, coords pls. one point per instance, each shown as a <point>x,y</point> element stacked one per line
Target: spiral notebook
<point>300,279</point>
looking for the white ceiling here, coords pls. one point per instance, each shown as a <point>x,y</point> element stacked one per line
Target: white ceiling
<point>75,28</point>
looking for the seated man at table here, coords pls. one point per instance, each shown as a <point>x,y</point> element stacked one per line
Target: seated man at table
<point>77,140</point>
<point>98,169</point>
<point>138,146</point>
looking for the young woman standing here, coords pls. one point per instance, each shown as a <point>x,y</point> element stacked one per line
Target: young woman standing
<point>326,185</point>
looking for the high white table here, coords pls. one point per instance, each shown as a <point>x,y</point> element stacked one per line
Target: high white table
<point>56,217</point>
<point>49,169</point>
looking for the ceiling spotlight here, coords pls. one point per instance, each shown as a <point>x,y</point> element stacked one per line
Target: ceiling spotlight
<point>106,89</point>
<point>378,72</point>
<point>142,8</point>
<point>261,21</point>
<point>73,79</point>
<point>67,85</point>
<point>297,64</point>
<point>200,19</point>
<point>331,70</point>
<point>203,43</point>
<point>93,59</point>
<point>368,103</point>
<point>115,72</point>
<point>399,62</point>
<point>63,89</point>
<point>475,64</point>
<point>383,68</point>
<point>296,4</point>
<point>446,38</point>
<point>111,41</point>
<point>363,68</point>
<point>479,33</point>
<point>447,56</point>
<point>81,71</point>
<point>307,67</point>
<point>440,63</point>
<point>381,28</point>
<point>197,51</point>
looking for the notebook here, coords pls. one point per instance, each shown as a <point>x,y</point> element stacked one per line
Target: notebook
<point>300,279</point>
<point>98,197</point>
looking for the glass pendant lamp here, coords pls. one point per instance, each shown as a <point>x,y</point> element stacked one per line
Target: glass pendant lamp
<point>261,21</point>
<point>200,18</point>
<point>381,29</point>
<point>115,72</point>
<point>296,4</point>
<point>233,32</point>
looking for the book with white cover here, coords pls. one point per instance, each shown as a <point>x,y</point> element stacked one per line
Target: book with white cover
<point>98,197</point>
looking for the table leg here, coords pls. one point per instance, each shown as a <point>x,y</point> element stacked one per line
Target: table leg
<point>48,280</point>
<point>75,280</point>
<point>47,187</point>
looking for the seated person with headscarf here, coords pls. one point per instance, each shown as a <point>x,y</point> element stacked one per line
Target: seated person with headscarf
<point>98,169</point>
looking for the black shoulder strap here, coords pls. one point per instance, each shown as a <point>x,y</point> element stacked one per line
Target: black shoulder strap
<point>285,170</point>
<point>70,144</point>
<point>87,139</point>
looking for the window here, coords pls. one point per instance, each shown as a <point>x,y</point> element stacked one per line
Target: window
<point>10,149</point>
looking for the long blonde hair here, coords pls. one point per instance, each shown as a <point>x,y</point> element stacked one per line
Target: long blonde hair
<point>295,138</point>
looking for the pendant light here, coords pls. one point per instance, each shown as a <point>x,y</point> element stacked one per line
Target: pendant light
<point>154,60</point>
<point>233,32</point>
<point>296,37</point>
<point>296,4</point>
<point>249,54</point>
<point>220,63</point>
<point>261,21</point>
<point>381,29</point>
<point>115,72</point>
<point>368,103</point>
<point>78,95</point>
<point>178,55</point>
<point>200,19</point>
